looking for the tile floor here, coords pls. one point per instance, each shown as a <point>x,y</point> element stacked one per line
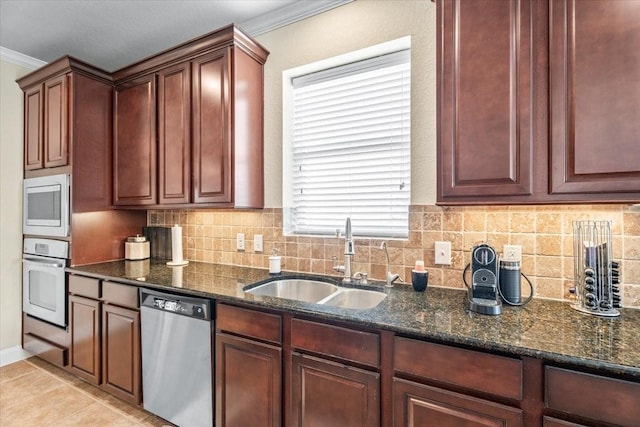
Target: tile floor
<point>36,393</point>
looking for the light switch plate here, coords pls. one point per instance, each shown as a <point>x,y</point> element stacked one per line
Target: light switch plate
<point>443,253</point>
<point>257,242</point>
<point>240,241</point>
<point>512,253</point>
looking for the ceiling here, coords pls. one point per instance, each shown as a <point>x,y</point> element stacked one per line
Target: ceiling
<point>111,34</point>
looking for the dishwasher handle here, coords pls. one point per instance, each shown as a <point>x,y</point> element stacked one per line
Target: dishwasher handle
<point>184,305</point>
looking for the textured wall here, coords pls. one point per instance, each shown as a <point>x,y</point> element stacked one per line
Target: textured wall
<point>10,204</point>
<point>545,233</point>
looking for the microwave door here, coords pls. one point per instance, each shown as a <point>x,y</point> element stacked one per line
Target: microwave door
<point>43,206</point>
<point>46,205</point>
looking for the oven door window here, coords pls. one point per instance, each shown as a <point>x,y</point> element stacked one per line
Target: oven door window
<point>42,290</point>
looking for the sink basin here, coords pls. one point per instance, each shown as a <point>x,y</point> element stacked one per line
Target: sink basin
<point>295,289</point>
<point>357,299</point>
<point>319,292</point>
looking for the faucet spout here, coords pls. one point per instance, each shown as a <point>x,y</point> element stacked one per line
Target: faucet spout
<point>391,277</point>
<point>349,252</point>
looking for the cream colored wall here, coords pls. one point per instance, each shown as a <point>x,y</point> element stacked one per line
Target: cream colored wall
<point>354,26</point>
<point>10,204</point>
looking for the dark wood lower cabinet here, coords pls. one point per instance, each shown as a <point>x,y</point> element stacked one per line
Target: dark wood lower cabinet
<point>84,321</point>
<point>421,405</point>
<point>554,422</point>
<point>121,352</point>
<point>248,382</point>
<point>325,393</point>
<point>105,338</point>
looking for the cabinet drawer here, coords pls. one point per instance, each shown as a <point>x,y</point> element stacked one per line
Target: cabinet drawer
<point>53,334</point>
<point>335,341</point>
<point>603,399</point>
<point>487,373</point>
<point>119,294</point>
<point>249,323</point>
<point>45,350</point>
<point>84,286</point>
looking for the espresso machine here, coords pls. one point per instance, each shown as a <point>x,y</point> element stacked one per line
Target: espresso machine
<point>483,293</point>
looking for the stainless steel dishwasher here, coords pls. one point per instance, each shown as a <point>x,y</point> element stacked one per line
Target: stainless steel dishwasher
<point>177,374</point>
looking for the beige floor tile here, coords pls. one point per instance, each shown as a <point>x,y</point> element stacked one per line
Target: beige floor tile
<point>47,408</point>
<point>15,391</point>
<point>134,412</point>
<point>96,414</point>
<point>15,370</point>
<point>153,421</point>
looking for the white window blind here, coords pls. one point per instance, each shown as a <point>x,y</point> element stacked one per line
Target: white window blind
<point>351,148</point>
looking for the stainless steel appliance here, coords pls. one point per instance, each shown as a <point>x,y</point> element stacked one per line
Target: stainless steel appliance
<point>46,205</point>
<point>483,292</point>
<point>44,292</point>
<point>177,345</point>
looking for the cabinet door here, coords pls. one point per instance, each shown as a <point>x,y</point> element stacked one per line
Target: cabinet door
<point>56,113</point>
<point>84,321</point>
<point>212,128</point>
<point>121,352</point>
<point>420,405</point>
<point>485,93</point>
<point>174,134</point>
<point>595,88</point>
<point>248,382</point>
<point>135,143</point>
<point>33,128</point>
<point>325,393</point>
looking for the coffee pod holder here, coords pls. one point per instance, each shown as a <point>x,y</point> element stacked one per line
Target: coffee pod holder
<point>597,276</point>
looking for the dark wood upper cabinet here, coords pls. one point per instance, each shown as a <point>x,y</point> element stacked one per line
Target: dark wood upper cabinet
<point>485,93</point>
<point>135,143</point>
<point>174,134</point>
<point>33,123</point>
<point>538,101</point>
<point>595,96</point>
<point>46,114</point>
<point>56,114</point>
<point>209,117</point>
<point>212,128</point>
<point>68,129</point>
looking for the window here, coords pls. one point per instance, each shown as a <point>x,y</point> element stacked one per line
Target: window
<point>349,148</point>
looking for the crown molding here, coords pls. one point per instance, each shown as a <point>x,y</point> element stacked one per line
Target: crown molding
<point>286,15</point>
<point>20,59</point>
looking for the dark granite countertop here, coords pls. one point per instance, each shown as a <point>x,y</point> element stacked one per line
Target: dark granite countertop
<point>545,329</point>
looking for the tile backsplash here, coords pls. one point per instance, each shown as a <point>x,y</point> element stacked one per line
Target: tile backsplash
<point>544,232</point>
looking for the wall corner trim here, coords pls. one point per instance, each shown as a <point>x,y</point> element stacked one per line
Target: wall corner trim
<point>20,59</point>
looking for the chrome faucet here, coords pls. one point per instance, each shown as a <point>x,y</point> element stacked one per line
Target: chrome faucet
<point>390,276</point>
<point>348,253</point>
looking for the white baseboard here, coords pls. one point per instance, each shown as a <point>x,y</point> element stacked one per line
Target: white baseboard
<point>13,354</point>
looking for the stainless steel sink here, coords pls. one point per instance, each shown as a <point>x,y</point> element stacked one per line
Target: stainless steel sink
<point>319,292</point>
<point>357,299</point>
<point>295,289</point>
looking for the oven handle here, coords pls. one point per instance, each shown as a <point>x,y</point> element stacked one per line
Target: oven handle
<point>42,263</point>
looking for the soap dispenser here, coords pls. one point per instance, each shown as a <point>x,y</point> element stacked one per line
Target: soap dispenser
<point>275,262</point>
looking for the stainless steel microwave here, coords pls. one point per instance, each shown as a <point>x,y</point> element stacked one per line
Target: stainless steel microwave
<point>46,205</point>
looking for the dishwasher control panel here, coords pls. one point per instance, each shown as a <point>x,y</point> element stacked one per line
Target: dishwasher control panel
<point>192,307</point>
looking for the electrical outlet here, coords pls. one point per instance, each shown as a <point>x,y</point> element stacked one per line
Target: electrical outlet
<point>257,243</point>
<point>443,253</point>
<point>512,253</point>
<point>240,241</point>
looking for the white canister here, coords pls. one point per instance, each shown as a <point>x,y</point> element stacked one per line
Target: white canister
<point>136,248</point>
<point>275,264</point>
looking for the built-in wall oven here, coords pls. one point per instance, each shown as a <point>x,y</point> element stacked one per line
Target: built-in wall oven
<point>44,291</point>
<point>46,205</point>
